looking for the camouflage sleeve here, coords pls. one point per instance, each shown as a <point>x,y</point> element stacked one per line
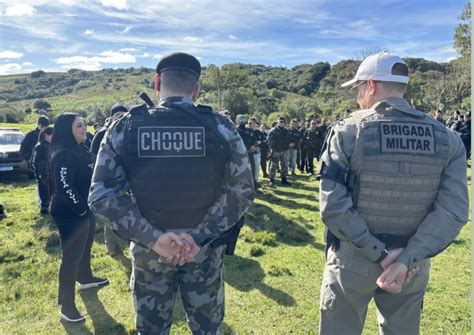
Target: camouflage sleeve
<point>109,198</point>
<point>337,208</point>
<point>450,211</point>
<point>237,192</point>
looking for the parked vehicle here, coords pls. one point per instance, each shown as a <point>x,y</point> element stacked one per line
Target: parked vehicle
<point>10,158</point>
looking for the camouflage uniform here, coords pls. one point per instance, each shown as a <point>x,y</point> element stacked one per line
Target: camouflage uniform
<point>155,284</point>
<point>280,157</point>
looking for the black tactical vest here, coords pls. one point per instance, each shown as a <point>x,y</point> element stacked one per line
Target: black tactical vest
<point>175,162</point>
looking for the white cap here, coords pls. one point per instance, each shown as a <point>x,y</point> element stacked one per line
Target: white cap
<point>378,67</point>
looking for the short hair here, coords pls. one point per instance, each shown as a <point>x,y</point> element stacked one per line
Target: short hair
<point>281,118</point>
<point>179,81</point>
<point>253,119</point>
<point>43,121</point>
<point>294,120</point>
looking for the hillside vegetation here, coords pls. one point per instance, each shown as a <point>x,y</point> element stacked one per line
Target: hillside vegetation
<point>262,91</point>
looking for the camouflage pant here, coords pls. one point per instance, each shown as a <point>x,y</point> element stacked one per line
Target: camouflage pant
<point>155,285</point>
<point>278,157</point>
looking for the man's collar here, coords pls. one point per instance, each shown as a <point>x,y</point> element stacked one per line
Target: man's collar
<point>175,100</point>
<point>399,104</point>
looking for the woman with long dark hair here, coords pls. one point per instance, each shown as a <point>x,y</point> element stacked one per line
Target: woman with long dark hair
<point>40,163</point>
<point>71,173</point>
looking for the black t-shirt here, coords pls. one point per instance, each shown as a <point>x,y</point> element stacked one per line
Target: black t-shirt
<point>71,174</point>
<point>28,144</point>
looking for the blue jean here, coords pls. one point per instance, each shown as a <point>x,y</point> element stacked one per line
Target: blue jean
<point>292,154</point>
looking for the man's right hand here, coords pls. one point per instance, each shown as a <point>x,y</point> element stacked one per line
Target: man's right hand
<point>391,258</point>
<point>176,250</point>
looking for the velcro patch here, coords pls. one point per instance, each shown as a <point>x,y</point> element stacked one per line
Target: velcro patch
<point>161,142</point>
<point>407,138</point>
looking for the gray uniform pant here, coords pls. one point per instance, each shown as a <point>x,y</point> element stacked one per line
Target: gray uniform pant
<point>349,285</point>
<point>278,157</point>
<point>155,285</point>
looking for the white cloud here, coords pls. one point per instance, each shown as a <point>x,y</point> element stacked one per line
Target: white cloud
<point>157,56</point>
<point>94,63</point>
<point>89,32</point>
<point>127,50</point>
<point>145,55</point>
<point>10,54</point>
<point>20,10</point>
<point>79,62</point>
<point>114,57</point>
<point>9,68</point>
<point>192,39</point>
<point>127,29</point>
<point>118,4</point>
<point>232,37</point>
<point>27,64</point>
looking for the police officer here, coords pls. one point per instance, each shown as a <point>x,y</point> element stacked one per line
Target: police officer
<point>250,142</point>
<point>117,110</point>
<point>191,181</point>
<point>294,139</point>
<point>313,141</point>
<point>303,163</point>
<point>393,194</point>
<point>278,142</point>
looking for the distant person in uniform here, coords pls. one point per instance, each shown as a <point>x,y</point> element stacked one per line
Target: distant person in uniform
<point>393,193</point>
<point>303,164</point>
<point>40,164</point>
<point>117,111</point>
<point>191,180</point>
<point>249,139</point>
<point>313,141</point>
<point>278,143</point>
<point>439,117</point>
<point>31,138</point>
<point>71,173</point>
<point>466,134</point>
<point>294,139</point>
<point>257,156</point>
<point>263,137</point>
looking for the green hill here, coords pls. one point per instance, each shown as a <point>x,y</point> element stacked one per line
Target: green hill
<point>262,91</point>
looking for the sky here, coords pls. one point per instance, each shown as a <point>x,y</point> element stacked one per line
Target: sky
<point>92,35</point>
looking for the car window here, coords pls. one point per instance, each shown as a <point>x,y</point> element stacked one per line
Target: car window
<point>10,138</point>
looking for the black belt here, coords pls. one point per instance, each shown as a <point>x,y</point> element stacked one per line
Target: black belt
<point>394,241</point>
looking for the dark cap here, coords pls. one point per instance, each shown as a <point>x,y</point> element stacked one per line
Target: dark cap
<point>179,61</point>
<point>118,107</point>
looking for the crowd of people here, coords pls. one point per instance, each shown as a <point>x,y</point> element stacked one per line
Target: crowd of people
<point>178,234</point>
<point>461,124</point>
<point>286,148</point>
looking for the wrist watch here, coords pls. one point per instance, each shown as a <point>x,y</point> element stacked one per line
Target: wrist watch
<point>382,256</point>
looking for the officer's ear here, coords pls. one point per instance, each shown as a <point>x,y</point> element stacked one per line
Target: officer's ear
<point>372,86</point>
<point>157,83</point>
<point>196,91</point>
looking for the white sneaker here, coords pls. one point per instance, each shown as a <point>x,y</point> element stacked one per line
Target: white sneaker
<point>96,282</point>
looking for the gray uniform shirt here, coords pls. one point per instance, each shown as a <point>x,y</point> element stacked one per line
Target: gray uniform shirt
<point>449,213</point>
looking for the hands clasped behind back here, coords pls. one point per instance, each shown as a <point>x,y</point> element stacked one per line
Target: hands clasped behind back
<point>176,249</point>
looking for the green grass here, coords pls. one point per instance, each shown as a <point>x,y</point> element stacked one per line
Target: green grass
<point>272,284</point>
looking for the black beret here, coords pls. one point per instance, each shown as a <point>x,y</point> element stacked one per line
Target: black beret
<point>118,107</point>
<point>179,61</point>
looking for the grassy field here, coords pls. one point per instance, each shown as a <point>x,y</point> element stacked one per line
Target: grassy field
<point>272,283</point>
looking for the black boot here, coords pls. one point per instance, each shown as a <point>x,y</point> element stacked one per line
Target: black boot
<point>284,181</point>
<point>272,182</point>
